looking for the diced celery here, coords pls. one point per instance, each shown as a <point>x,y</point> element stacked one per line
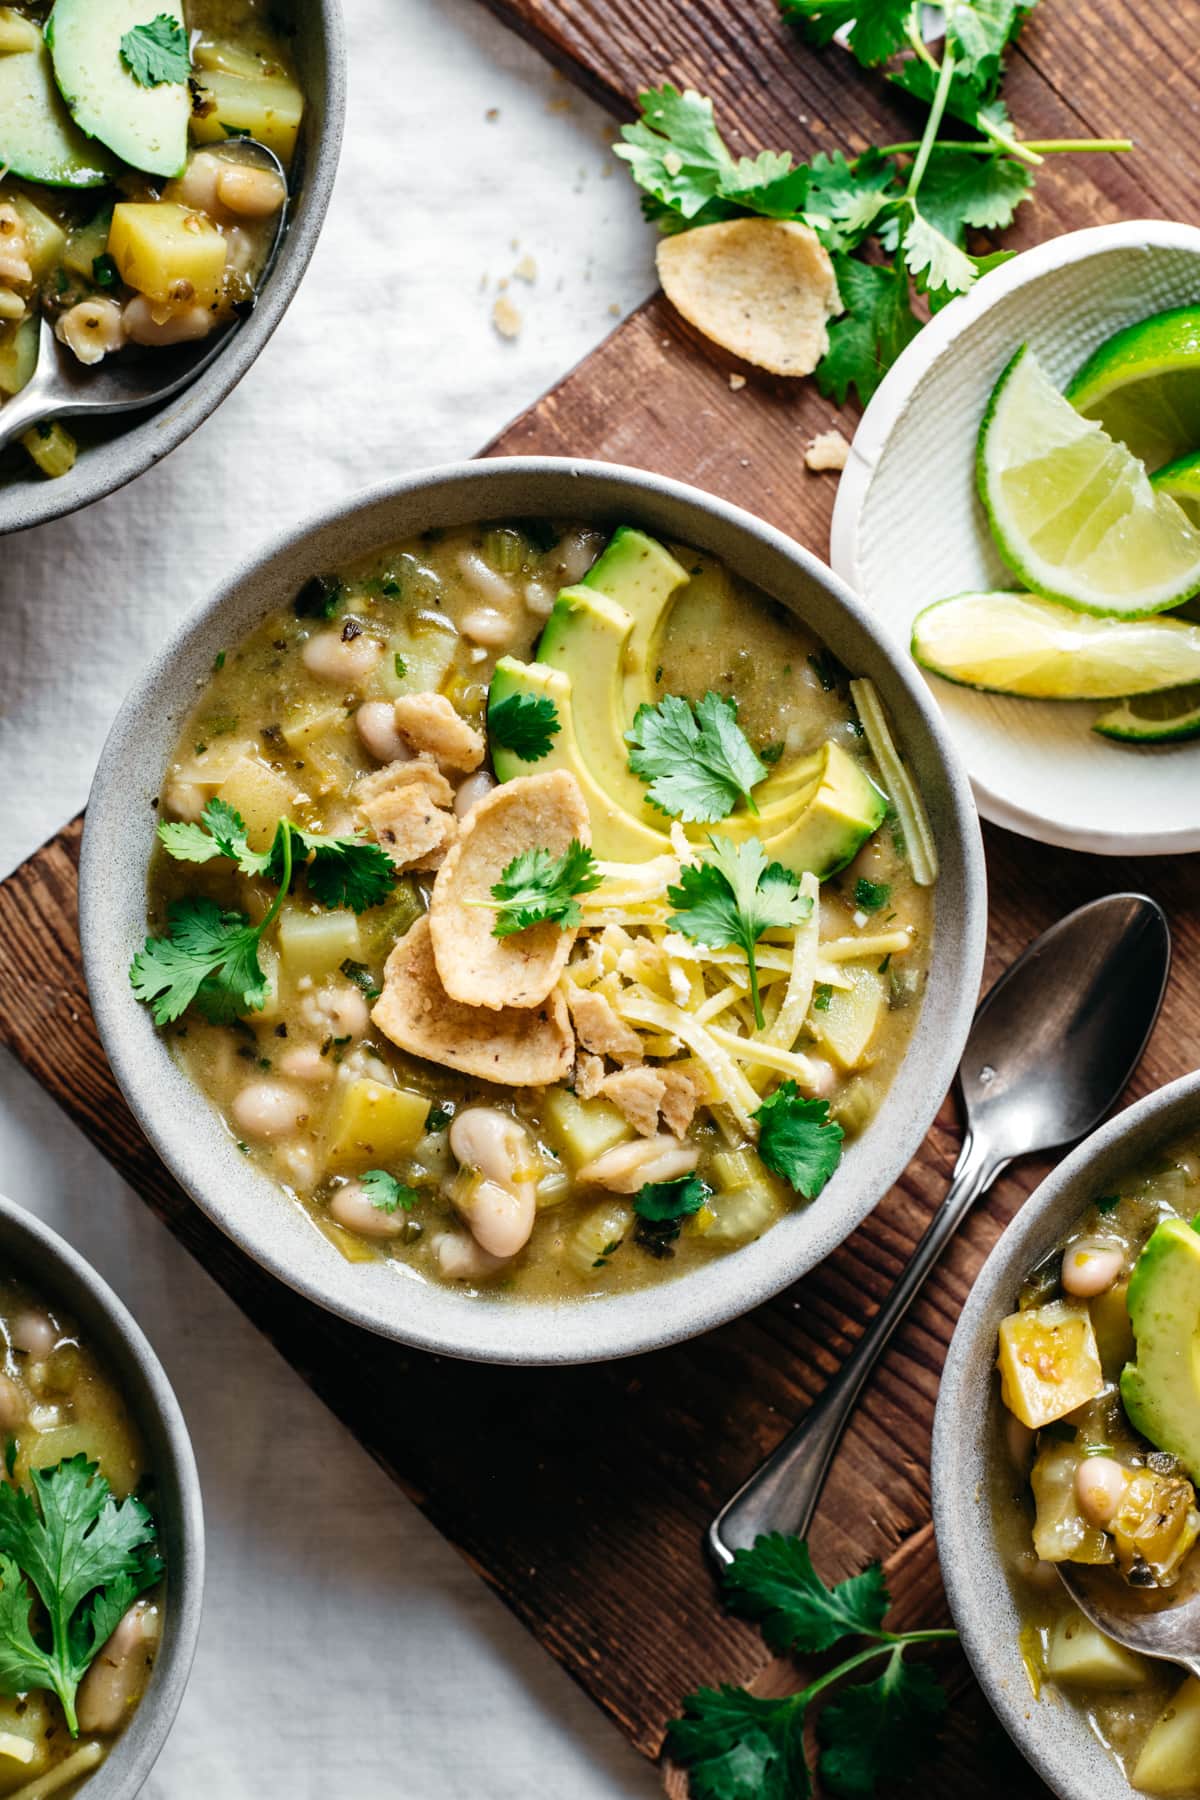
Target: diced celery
<point>316,943</point>
<point>18,355</point>
<point>52,448</point>
<point>382,926</point>
<point>355,1249</point>
<point>597,1237</point>
<point>581,1130</point>
<point>231,59</point>
<point>733,1169</point>
<point>849,1023</point>
<point>86,244</point>
<point>45,239</point>
<point>745,1213</point>
<point>1049,1363</point>
<point>418,658</point>
<point>1170,1756</point>
<point>1081,1656</point>
<point>1113,1328</point>
<point>25,1719</point>
<point>553,1188</point>
<point>855,1106</point>
<point>373,1124</point>
<point>323,739</point>
<point>504,549</point>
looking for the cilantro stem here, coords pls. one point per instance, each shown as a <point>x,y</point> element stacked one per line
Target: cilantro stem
<point>892,1643</point>
<point>1039,146</point>
<point>752,965</point>
<point>932,126</point>
<point>915,36</point>
<point>285,881</point>
<point>1008,143</point>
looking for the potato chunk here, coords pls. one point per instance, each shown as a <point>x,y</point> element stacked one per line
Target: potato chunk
<point>166,251</point>
<point>1049,1363</point>
<point>1170,1755</point>
<point>582,1130</point>
<point>268,107</point>
<point>1081,1656</point>
<point>374,1124</point>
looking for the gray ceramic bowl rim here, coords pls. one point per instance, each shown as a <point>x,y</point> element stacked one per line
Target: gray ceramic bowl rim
<point>197,1148</point>
<point>150,437</point>
<point>60,1273</point>
<point>1052,1737</point>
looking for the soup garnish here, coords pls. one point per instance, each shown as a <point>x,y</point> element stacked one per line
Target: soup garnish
<point>1099,1383</point>
<point>585,1017</point>
<point>80,1568</point>
<point>125,216</point>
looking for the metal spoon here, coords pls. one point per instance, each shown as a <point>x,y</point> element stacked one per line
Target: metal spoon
<point>1154,1623</point>
<point>1052,1046</point>
<point>62,386</point>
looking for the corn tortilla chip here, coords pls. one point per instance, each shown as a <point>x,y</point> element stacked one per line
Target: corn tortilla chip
<point>761,288</point>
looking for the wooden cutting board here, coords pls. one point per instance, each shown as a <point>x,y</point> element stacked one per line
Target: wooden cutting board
<point>582,1495</point>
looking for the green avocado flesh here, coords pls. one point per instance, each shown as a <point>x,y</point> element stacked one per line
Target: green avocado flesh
<point>38,139</point>
<point>1161,1389</point>
<point>145,126</point>
<point>595,662</point>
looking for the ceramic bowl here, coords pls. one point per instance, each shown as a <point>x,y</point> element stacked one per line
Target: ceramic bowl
<point>192,1139</point>
<point>31,1249</point>
<point>967,1443</point>
<point>908,529</point>
<point>114,452</point>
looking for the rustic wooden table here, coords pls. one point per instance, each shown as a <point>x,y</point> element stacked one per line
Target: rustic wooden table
<point>590,1519</point>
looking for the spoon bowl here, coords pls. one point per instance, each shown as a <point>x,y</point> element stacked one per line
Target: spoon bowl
<point>1159,1622</point>
<point>61,387</point>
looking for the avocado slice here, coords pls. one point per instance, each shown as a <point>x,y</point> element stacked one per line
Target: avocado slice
<point>616,835</point>
<point>642,576</point>
<point>832,823</point>
<point>145,126</point>
<point>1161,1389</point>
<point>38,138</point>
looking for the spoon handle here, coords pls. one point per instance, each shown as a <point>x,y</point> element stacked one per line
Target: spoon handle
<point>34,403</point>
<point>782,1495</point>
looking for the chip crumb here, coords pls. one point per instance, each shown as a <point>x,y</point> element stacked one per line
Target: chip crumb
<point>736,382</point>
<point>614,309</point>
<point>526,269</point>
<point>561,104</point>
<point>502,283</point>
<point>492,114</point>
<point>829,450</point>
<point>506,317</point>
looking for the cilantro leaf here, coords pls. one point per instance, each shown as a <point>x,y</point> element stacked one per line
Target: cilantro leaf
<point>877,325</point>
<point>871,896</point>
<point>845,199</point>
<point>208,957</point>
<point>774,1582</point>
<point>86,1556</point>
<point>738,1747</point>
<point>679,158</point>
<point>981,31</point>
<point>873,1732</point>
<point>221,831</point>
<point>877,28</point>
<point>798,1139</point>
<point>698,762</point>
<point>960,189</point>
<point>537,888</point>
<point>386,1193</point>
<point>157,54</point>
<point>935,262</point>
<point>343,871</point>
<point>526,724</point>
<point>346,871</point>
<point>732,897</point>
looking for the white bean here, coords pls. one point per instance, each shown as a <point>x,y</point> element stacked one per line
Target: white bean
<point>375,722</point>
<point>185,800</point>
<point>353,1209</point>
<point>113,1683</point>
<point>197,186</point>
<point>472,791</point>
<point>484,1138</point>
<point>539,599</point>
<point>484,579</point>
<point>268,1109</point>
<point>1090,1268</point>
<point>460,1257</point>
<point>254,193</point>
<point>12,1404</point>
<point>340,1009</point>
<point>575,554</point>
<point>304,1062</point>
<point>91,329</point>
<point>1100,1483</point>
<point>487,625</point>
<point>146,322</point>
<point>34,1332</point>
<point>501,1218</point>
<point>334,657</point>
<point>626,1167</point>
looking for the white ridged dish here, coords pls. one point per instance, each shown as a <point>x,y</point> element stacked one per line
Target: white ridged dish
<point>908,529</point>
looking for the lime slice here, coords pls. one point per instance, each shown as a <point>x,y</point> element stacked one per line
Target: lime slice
<point>1154,718</point>
<point>1020,644</point>
<point>1181,479</point>
<point>1073,513</point>
<point>1143,386</point>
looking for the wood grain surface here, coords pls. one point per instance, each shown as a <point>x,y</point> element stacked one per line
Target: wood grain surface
<point>582,1495</point>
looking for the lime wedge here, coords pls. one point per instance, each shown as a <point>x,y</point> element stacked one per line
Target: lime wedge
<point>1154,718</point>
<point>1073,513</point>
<point>1143,386</point>
<point>1181,479</point>
<point>1020,644</point>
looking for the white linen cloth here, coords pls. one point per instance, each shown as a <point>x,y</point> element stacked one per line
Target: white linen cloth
<point>347,1653</point>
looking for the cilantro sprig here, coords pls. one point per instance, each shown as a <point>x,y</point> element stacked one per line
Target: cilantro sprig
<point>697,760</point>
<point>732,898</point>
<point>537,888</point>
<point>157,54</point>
<point>209,957</point>
<point>661,1208</point>
<point>526,724</point>
<point>385,1193</point>
<point>873,1735</point>
<point>895,219</point>
<point>86,1557</point>
<point>798,1139</point>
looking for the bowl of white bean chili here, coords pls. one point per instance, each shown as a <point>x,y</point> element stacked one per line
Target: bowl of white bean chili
<point>101,1530</point>
<point>532,911</point>
<point>1067,1433</point>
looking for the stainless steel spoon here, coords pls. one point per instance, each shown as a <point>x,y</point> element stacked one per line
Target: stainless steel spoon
<point>1052,1046</point>
<point>1158,1623</point>
<point>61,386</point>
